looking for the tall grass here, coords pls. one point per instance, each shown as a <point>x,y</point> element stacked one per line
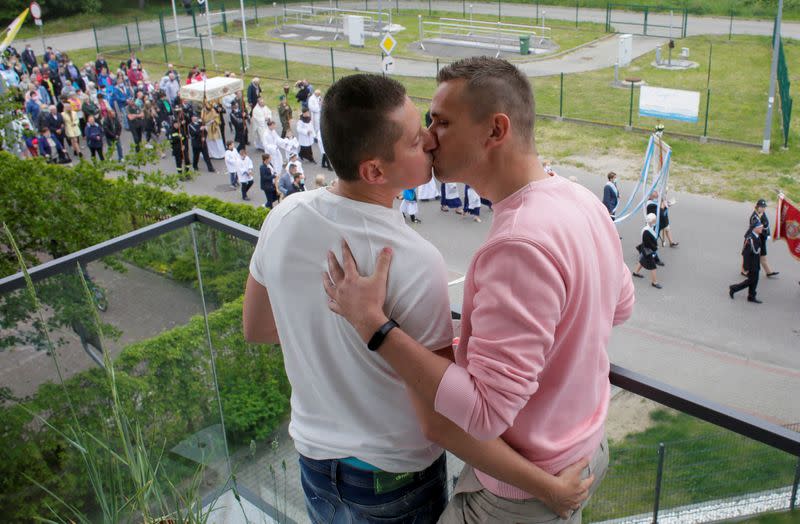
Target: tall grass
<point>126,477</point>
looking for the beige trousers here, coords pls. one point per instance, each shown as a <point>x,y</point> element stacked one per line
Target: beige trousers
<point>473,504</point>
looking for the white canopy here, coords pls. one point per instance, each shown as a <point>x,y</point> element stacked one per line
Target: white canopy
<point>211,89</point>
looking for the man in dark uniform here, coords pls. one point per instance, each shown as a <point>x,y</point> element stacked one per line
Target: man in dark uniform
<point>178,140</point>
<point>751,254</point>
<point>198,135</point>
<point>238,123</point>
<point>760,215</point>
<point>183,121</point>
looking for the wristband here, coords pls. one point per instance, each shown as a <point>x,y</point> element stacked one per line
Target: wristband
<point>380,335</point>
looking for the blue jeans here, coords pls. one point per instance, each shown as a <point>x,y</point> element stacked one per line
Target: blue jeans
<point>339,493</point>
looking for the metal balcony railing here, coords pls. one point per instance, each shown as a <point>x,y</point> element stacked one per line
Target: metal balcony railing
<point>264,468</point>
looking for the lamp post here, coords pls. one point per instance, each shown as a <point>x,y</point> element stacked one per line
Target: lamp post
<point>177,30</point>
<point>210,36</point>
<point>244,33</point>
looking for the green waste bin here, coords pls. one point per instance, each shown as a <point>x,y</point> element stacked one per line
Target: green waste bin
<point>525,45</point>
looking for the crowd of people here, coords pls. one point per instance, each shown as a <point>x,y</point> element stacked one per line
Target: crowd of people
<point>68,110</point>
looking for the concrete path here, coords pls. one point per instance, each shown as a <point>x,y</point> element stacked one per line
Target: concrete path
<point>690,334</point>
<point>141,304</point>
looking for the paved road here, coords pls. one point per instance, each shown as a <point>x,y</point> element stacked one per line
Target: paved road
<point>690,334</point>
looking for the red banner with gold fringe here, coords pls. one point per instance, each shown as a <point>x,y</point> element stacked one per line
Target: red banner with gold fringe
<point>787,225</point>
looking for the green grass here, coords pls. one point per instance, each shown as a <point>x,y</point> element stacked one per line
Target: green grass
<point>775,518</point>
<point>114,13</point>
<point>730,172</point>
<point>737,111</point>
<point>702,462</point>
<point>746,8</point>
<point>739,83</point>
<point>120,12</point>
<point>564,33</point>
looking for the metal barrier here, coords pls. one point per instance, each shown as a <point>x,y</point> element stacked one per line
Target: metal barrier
<point>332,18</point>
<point>480,34</point>
<point>665,469</point>
<point>636,19</point>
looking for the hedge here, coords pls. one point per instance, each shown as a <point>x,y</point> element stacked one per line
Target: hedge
<point>166,385</point>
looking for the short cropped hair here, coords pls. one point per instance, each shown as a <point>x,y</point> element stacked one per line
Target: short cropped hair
<point>611,175</point>
<point>355,121</point>
<point>495,86</point>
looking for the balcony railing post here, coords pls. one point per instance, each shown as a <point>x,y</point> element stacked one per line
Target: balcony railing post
<point>793,502</point>
<point>659,476</point>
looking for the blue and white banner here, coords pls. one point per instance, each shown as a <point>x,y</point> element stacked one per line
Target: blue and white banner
<point>672,104</point>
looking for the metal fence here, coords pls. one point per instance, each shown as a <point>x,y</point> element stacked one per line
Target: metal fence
<point>691,475</point>
<point>635,19</point>
<point>186,41</point>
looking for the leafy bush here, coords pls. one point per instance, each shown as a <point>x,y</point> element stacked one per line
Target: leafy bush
<point>166,386</point>
<point>57,210</point>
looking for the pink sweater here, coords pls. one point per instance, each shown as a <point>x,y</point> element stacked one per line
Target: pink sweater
<point>540,298</point>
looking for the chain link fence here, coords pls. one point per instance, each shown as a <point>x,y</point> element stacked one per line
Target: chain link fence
<point>728,111</point>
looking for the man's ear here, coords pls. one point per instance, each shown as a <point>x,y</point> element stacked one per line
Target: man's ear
<point>371,171</point>
<point>501,130</point>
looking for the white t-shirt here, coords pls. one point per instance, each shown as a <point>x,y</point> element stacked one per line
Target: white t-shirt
<point>232,161</point>
<point>305,133</point>
<point>245,169</point>
<point>346,400</point>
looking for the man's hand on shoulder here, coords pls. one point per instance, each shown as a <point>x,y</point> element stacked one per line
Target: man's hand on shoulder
<point>358,299</point>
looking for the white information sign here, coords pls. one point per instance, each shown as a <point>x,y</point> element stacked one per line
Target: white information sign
<point>388,65</point>
<point>673,104</point>
<point>37,21</point>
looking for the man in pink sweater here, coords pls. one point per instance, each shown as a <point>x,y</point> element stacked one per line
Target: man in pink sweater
<point>540,298</point>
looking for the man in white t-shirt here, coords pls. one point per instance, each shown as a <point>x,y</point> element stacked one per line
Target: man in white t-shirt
<point>362,451</point>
